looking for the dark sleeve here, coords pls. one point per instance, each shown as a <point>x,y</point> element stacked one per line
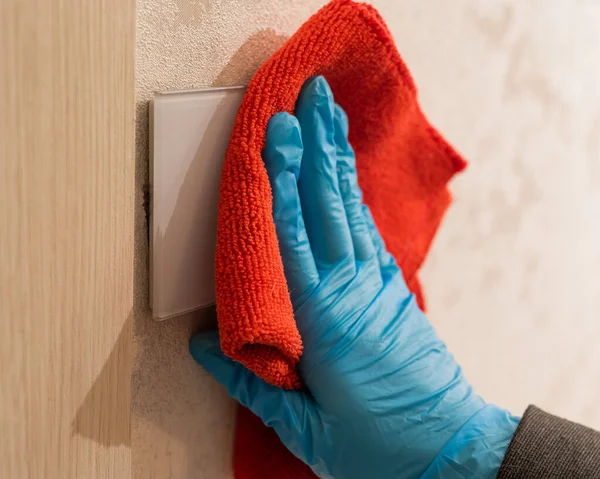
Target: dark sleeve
<point>546,446</point>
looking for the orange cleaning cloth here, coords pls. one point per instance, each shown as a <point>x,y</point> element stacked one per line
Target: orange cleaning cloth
<point>403,167</point>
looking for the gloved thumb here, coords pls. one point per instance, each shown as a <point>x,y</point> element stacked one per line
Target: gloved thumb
<point>290,413</point>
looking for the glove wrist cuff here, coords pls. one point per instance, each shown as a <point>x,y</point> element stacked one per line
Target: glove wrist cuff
<point>478,448</point>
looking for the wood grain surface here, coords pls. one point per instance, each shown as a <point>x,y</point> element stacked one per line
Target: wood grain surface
<point>66,237</point>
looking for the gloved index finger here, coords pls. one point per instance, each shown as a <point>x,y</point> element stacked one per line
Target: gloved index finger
<point>282,156</point>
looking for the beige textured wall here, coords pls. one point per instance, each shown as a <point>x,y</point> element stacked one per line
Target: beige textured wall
<point>513,279</point>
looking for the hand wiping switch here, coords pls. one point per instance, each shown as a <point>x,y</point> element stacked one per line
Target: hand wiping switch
<point>384,398</point>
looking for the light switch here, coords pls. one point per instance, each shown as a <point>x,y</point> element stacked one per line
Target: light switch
<point>189,133</point>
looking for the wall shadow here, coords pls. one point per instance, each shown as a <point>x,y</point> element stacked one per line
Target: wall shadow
<point>105,414</point>
<point>250,56</point>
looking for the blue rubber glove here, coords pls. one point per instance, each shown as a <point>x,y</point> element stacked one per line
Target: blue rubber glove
<point>385,399</point>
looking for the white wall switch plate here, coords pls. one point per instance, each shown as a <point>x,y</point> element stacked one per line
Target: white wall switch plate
<point>189,133</point>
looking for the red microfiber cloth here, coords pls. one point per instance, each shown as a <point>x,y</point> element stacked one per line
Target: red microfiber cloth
<point>403,166</point>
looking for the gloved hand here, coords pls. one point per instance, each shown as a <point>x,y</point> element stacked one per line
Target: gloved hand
<point>385,399</point>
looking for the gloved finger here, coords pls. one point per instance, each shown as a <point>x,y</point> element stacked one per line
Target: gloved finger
<point>289,413</point>
<point>282,156</point>
<point>386,260</point>
<point>322,205</point>
<point>350,191</point>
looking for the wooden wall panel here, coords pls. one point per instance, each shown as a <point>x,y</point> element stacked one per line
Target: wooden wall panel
<point>66,237</point>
